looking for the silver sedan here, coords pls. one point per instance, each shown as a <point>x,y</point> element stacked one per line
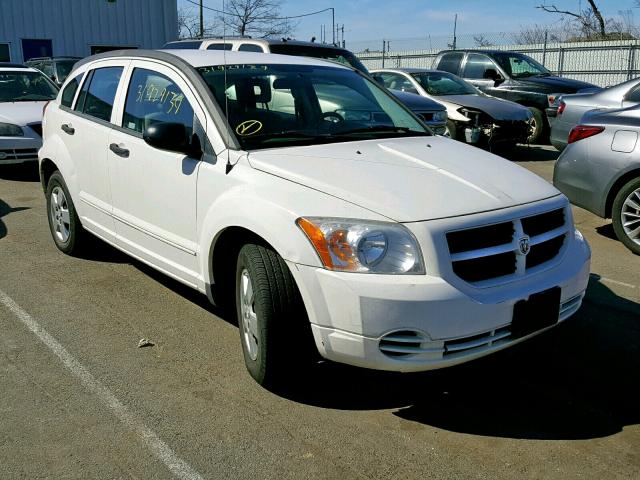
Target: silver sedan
<point>600,169</point>
<point>571,108</point>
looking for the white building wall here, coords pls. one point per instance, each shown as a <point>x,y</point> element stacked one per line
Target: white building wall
<point>75,25</point>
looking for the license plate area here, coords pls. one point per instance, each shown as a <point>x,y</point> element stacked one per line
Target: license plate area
<point>541,310</point>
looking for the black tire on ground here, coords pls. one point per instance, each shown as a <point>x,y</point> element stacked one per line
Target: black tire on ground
<point>76,233</point>
<point>283,333</point>
<point>453,131</point>
<point>631,191</point>
<point>540,124</point>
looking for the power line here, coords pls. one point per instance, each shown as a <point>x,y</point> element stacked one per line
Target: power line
<point>266,18</point>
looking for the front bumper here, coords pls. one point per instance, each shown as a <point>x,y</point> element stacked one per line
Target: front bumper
<point>354,316</point>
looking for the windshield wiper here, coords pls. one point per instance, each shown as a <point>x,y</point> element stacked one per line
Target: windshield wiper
<point>384,129</point>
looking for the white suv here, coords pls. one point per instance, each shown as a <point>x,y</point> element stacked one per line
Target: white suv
<point>304,195</point>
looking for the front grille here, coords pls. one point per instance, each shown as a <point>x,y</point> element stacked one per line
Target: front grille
<point>36,127</point>
<point>490,254</point>
<point>18,154</point>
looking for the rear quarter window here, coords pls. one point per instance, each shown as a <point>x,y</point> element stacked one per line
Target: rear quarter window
<point>69,92</point>
<point>450,62</point>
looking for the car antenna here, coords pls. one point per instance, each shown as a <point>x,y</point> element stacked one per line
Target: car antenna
<point>229,166</point>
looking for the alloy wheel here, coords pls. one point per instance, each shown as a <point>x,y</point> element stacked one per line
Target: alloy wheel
<point>249,318</point>
<point>59,213</point>
<point>630,216</point>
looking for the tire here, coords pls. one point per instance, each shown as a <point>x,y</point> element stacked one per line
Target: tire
<point>540,126</point>
<point>64,224</point>
<point>273,325</point>
<point>626,217</point>
<point>451,130</point>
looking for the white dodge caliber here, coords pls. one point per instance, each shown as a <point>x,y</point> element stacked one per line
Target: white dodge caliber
<point>304,196</point>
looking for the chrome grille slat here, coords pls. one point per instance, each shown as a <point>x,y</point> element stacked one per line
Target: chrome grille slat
<point>477,343</point>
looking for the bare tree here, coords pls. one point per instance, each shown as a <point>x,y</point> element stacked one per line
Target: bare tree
<point>592,23</point>
<point>482,41</point>
<point>256,17</point>
<point>188,24</point>
<point>535,34</point>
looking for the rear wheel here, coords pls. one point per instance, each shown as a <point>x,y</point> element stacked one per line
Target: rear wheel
<point>626,215</point>
<point>538,126</point>
<point>273,325</point>
<point>65,226</point>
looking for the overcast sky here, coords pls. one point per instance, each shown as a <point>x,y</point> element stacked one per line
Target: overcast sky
<point>374,19</point>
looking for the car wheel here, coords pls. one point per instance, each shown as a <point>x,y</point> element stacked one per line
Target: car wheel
<point>626,215</point>
<point>537,126</point>
<point>65,226</point>
<point>450,130</point>
<point>272,320</point>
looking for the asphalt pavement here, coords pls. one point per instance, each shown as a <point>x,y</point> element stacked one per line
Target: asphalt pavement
<point>79,399</point>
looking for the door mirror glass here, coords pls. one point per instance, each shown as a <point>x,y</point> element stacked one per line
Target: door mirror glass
<point>378,78</point>
<point>172,137</point>
<point>491,74</point>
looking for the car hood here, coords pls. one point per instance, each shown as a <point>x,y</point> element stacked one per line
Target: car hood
<point>557,84</point>
<point>495,107</point>
<point>21,113</point>
<point>409,179</point>
<point>417,102</point>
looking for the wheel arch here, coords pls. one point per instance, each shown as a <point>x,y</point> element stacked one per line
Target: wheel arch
<point>617,186</point>
<point>47,167</point>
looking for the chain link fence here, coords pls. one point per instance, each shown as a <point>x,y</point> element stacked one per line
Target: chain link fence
<point>602,62</point>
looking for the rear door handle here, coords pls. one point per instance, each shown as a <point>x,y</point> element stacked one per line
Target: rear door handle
<point>66,128</point>
<point>121,152</point>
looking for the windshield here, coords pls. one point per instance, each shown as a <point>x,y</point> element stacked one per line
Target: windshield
<point>327,53</point>
<point>441,84</point>
<point>517,65</point>
<point>63,69</point>
<point>20,86</point>
<point>283,105</point>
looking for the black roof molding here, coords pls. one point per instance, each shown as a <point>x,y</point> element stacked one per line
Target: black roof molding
<point>225,130</point>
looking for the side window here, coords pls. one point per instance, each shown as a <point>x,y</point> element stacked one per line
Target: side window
<point>219,46</point>
<point>98,93</point>
<point>395,81</point>
<point>47,69</point>
<point>250,47</point>
<point>450,62</point>
<point>476,66</point>
<point>633,96</point>
<point>155,98</point>
<point>69,92</point>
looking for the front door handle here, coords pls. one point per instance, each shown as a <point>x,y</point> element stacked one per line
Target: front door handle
<point>66,128</point>
<point>121,152</point>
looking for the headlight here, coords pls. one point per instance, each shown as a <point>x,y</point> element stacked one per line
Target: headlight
<point>440,116</point>
<point>363,246</point>
<point>10,130</point>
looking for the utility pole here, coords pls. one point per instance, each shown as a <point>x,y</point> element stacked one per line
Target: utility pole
<point>343,44</point>
<point>201,20</point>
<point>455,26</point>
<point>333,25</point>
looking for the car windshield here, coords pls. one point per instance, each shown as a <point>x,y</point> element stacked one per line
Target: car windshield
<point>441,84</point>
<point>327,53</point>
<point>63,68</point>
<point>284,105</point>
<point>517,65</point>
<point>20,86</point>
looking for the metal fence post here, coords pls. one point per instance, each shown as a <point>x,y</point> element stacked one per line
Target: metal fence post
<point>384,46</point>
<point>544,48</point>
<point>631,61</point>
<point>560,60</point>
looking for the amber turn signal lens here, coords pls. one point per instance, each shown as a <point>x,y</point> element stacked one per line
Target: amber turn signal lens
<point>316,237</point>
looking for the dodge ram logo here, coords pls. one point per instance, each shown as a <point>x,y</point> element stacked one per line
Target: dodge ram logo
<point>525,245</point>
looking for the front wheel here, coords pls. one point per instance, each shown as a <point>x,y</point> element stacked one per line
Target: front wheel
<point>65,226</point>
<point>273,325</point>
<point>626,215</point>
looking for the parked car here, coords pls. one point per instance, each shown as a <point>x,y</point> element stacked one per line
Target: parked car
<point>351,231</point>
<point>473,117</point>
<point>23,94</point>
<point>600,169</point>
<point>512,76</point>
<point>432,113</point>
<point>571,108</point>
<point>56,68</point>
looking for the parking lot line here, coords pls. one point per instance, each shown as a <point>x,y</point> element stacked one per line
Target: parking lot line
<point>178,467</point>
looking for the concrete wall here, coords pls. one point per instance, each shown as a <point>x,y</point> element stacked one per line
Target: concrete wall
<point>75,25</point>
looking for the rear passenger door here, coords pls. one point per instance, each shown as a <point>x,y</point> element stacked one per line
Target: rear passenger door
<point>474,71</point>
<point>154,191</point>
<point>86,134</point>
<point>450,62</point>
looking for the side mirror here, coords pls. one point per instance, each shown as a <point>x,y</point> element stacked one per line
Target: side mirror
<point>172,137</point>
<point>378,79</point>
<point>492,74</point>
